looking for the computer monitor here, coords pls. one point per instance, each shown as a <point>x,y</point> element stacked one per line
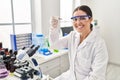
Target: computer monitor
<point>66,30</point>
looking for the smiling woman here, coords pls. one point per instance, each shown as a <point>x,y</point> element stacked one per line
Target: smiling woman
<point>82,18</point>
<point>87,50</point>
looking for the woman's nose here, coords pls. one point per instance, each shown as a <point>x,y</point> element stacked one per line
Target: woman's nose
<point>78,21</point>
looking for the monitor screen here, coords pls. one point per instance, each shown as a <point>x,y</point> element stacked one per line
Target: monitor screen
<point>66,30</point>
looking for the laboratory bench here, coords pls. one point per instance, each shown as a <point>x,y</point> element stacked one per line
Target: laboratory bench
<point>54,64</point>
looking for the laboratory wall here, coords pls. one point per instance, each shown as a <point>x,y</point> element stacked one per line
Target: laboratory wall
<point>36,16</point>
<point>48,8</point>
<point>42,10</point>
<point>107,13</point>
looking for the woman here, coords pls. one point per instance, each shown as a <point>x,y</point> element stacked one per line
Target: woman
<point>87,51</point>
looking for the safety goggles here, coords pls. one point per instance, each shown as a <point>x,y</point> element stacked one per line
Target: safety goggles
<point>80,18</point>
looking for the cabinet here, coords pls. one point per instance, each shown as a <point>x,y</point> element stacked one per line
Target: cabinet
<point>64,63</point>
<point>55,66</point>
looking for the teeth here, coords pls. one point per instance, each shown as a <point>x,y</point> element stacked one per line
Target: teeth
<point>80,26</point>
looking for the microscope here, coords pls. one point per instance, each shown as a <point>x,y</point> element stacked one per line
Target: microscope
<point>25,65</point>
<point>20,62</point>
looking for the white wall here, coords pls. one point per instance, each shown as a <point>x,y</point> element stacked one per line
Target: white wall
<point>42,10</point>
<point>49,8</point>
<point>107,12</point>
<point>36,16</point>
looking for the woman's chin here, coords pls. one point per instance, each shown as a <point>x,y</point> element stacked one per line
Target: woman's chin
<point>79,29</point>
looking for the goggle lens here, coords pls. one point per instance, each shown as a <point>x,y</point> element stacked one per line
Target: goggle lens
<point>83,17</point>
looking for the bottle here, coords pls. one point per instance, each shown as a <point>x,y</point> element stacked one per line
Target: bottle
<point>40,42</point>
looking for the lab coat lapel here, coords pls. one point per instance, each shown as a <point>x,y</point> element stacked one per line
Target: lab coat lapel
<point>77,40</point>
<point>75,43</point>
<point>89,39</point>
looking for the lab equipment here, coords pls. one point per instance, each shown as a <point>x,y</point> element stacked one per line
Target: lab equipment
<point>40,41</point>
<point>27,67</point>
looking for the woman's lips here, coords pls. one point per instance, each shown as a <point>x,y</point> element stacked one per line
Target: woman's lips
<point>80,27</point>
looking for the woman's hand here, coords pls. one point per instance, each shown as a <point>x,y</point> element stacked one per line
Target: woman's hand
<point>54,21</point>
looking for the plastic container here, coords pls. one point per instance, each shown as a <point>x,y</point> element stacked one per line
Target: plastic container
<point>40,40</point>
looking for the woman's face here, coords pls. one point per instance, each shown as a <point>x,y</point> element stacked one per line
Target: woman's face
<point>81,21</point>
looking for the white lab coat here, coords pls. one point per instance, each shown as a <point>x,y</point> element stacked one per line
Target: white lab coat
<point>88,61</point>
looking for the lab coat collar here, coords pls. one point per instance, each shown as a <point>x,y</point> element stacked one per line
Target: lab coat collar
<point>89,39</point>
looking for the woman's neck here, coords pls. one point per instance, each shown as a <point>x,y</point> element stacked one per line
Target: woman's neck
<point>84,35</point>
